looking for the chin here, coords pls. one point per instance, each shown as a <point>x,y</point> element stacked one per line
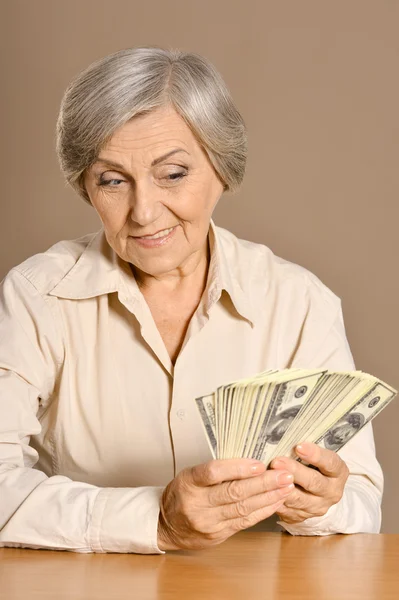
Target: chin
<point>156,266</point>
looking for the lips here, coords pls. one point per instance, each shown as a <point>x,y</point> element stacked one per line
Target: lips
<point>155,236</point>
<point>161,238</point>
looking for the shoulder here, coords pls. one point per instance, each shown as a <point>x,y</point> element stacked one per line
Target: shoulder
<point>46,269</point>
<point>262,275</point>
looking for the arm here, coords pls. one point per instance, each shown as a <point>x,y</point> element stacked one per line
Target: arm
<point>358,510</point>
<point>54,512</point>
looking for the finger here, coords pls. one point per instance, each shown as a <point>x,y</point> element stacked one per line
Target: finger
<point>245,507</point>
<point>291,516</point>
<point>304,502</point>
<point>241,489</point>
<point>217,471</point>
<point>255,517</point>
<point>327,461</point>
<point>309,479</point>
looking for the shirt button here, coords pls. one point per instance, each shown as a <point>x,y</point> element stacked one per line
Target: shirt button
<point>181,413</point>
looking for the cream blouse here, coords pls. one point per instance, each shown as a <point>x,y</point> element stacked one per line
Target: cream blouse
<point>94,418</point>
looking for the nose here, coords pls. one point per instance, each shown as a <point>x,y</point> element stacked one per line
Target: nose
<point>145,207</point>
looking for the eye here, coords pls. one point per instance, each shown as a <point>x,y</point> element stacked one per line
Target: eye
<point>175,176</point>
<point>111,182</point>
<point>169,176</point>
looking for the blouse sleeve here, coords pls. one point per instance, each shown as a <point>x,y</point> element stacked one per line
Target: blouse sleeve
<point>55,512</point>
<point>323,344</point>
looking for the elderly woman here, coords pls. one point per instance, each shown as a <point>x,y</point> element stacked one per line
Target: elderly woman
<point>106,340</point>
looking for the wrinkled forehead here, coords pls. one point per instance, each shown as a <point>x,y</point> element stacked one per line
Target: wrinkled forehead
<point>147,135</point>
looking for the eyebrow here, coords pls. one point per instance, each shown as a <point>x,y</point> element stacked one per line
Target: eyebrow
<point>156,161</point>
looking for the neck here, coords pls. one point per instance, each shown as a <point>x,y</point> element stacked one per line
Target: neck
<point>192,274</point>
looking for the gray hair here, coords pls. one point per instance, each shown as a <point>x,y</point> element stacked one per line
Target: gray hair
<point>135,81</point>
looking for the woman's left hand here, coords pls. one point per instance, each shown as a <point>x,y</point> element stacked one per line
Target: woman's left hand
<point>315,491</point>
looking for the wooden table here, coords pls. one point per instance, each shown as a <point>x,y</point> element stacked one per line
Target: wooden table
<point>249,566</point>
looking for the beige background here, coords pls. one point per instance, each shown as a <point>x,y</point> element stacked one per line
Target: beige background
<point>316,82</point>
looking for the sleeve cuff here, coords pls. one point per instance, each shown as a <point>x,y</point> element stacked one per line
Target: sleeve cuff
<point>126,520</point>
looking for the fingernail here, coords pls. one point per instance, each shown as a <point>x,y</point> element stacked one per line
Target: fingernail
<point>302,449</point>
<point>257,467</point>
<point>287,489</point>
<point>284,478</point>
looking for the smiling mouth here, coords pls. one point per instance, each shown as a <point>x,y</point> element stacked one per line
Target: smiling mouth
<point>155,236</point>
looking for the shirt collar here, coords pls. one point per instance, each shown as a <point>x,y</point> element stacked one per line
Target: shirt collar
<point>99,270</point>
<point>224,275</point>
<point>96,272</point>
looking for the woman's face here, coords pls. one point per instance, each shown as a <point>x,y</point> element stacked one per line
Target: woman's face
<point>155,191</point>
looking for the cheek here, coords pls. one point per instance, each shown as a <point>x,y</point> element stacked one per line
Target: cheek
<point>197,200</point>
<point>112,211</point>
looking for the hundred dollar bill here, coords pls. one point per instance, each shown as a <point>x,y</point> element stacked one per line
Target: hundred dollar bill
<point>206,409</point>
<point>269,414</point>
<point>287,401</point>
<point>329,395</point>
<point>357,417</point>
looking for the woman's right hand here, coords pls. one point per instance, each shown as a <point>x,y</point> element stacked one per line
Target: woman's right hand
<point>204,505</point>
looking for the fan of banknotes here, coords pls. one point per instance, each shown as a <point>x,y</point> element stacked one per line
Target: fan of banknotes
<point>269,414</point>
